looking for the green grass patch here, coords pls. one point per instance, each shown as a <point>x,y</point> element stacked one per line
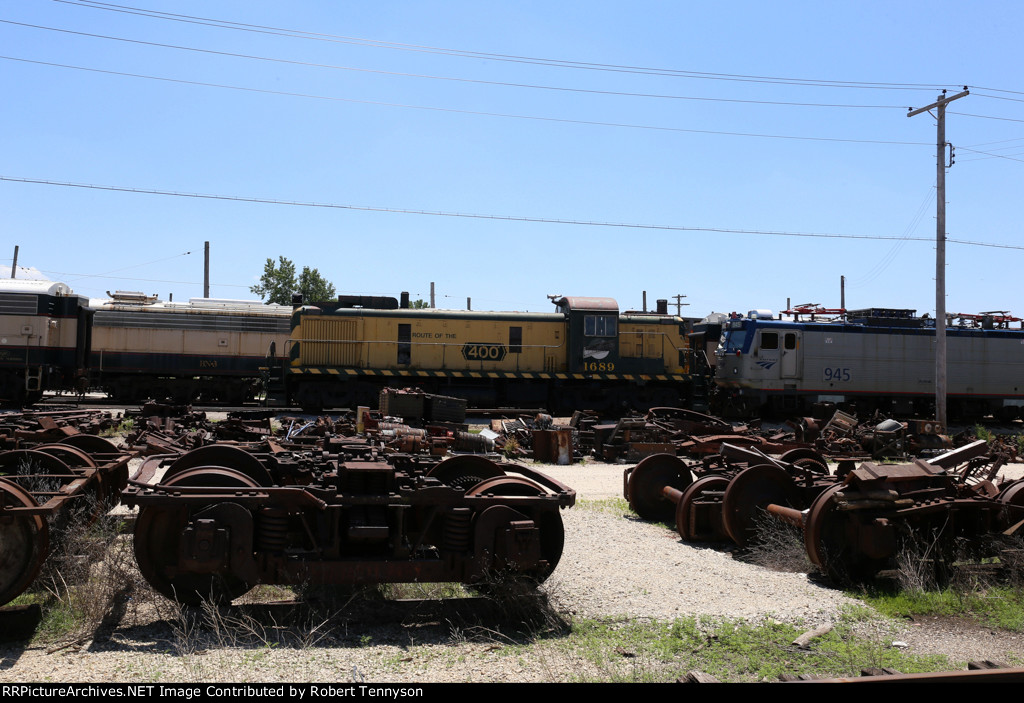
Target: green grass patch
<point>730,650</point>
<point>997,606</point>
<point>612,506</point>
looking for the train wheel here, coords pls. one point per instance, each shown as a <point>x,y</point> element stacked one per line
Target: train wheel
<point>646,481</point>
<point>831,538</point>
<point>91,443</point>
<point>158,541</point>
<point>696,519</point>
<point>807,459</point>
<point>224,455</point>
<point>749,493</point>
<point>30,467</point>
<point>549,522</point>
<point>24,542</point>
<point>465,471</point>
<point>111,485</point>
<point>1012,499</point>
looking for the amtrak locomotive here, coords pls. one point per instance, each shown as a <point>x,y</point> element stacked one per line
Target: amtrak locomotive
<point>874,359</point>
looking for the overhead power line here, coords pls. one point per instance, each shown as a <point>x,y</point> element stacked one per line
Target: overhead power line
<point>455,79</point>
<point>538,118</point>
<point>561,63</point>
<point>508,218</point>
<point>988,154</point>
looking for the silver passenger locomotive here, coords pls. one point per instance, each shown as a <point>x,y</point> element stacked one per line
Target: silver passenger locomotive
<point>876,358</point>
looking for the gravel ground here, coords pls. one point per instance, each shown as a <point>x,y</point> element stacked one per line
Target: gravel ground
<point>613,566</point>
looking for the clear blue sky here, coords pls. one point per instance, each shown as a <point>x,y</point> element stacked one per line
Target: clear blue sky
<point>418,106</point>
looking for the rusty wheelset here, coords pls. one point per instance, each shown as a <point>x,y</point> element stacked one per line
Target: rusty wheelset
<point>854,523</point>
<point>46,489</point>
<point>218,520</point>
<point>722,496</point>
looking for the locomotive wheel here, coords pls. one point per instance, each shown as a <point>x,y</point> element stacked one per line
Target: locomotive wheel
<point>72,456</point>
<point>807,459</point>
<point>91,443</point>
<point>829,535</point>
<point>549,522</point>
<point>111,484</point>
<point>158,532</point>
<point>465,471</point>
<point>100,489</point>
<point>1012,498</point>
<point>38,472</point>
<point>224,455</point>
<point>24,543</point>
<point>648,478</point>
<point>749,493</point>
<point>687,516</point>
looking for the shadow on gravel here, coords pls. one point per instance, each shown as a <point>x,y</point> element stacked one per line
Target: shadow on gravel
<point>324,618</point>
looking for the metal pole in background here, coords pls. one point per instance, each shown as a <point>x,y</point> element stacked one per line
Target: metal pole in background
<point>206,270</point>
<point>940,249</point>
<point>14,266</point>
<point>842,295</point>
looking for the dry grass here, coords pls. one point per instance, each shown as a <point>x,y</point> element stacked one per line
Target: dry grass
<point>89,578</point>
<point>778,546</point>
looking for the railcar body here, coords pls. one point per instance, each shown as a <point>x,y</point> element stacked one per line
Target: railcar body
<point>586,354</point>
<point>44,339</point>
<point>876,359</point>
<point>203,350</point>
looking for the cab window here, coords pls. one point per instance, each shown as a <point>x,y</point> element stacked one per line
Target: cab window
<point>600,326</point>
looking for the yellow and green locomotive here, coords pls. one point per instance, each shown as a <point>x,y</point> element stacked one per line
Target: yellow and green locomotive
<point>586,354</point>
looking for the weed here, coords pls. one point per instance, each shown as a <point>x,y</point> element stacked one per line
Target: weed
<point>89,577</point>
<point>778,546</point>
<point>422,591</point>
<point>511,450</point>
<point>125,427</point>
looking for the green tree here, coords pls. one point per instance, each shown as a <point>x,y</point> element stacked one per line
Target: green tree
<point>314,287</point>
<point>279,282</point>
<point>418,304</point>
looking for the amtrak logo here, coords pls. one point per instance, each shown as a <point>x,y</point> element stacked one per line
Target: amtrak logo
<point>766,364</point>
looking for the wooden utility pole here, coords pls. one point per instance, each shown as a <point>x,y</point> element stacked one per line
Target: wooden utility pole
<point>679,303</point>
<point>940,248</point>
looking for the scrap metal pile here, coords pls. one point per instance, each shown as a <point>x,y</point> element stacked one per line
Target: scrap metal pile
<point>855,522</point>
<point>688,433</point>
<point>53,477</point>
<point>228,505</point>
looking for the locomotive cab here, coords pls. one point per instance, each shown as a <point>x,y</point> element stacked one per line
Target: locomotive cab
<point>758,357</point>
<point>593,333</point>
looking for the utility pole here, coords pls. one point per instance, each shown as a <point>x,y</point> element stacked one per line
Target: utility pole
<point>206,270</point>
<point>432,295</point>
<point>679,303</point>
<point>14,265</point>
<point>842,295</point>
<point>940,247</point>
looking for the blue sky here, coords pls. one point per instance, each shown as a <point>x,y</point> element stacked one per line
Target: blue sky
<point>706,118</point>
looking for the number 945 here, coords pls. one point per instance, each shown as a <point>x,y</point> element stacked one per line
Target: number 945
<point>836,373</point>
